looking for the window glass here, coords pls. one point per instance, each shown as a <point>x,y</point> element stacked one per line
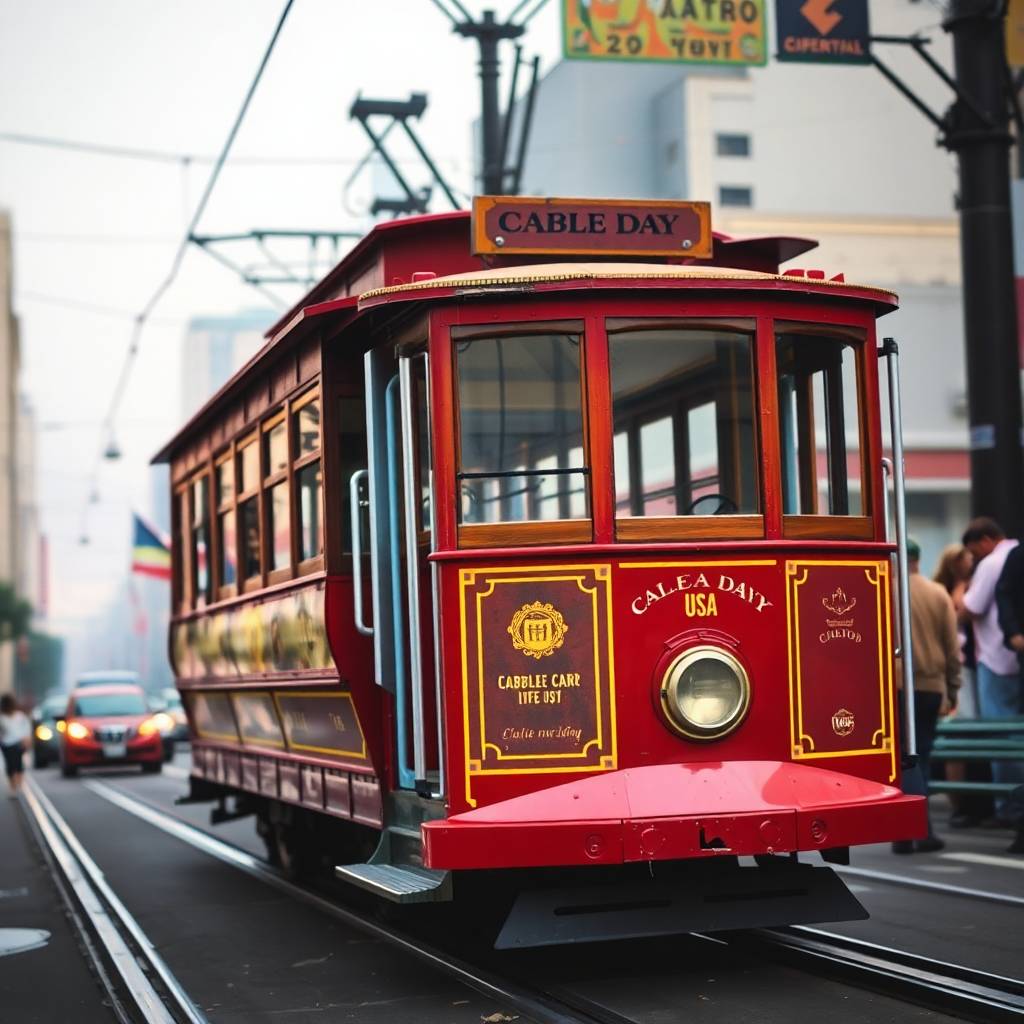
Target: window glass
<point>228,542</point>
<point>311,533</point>
<point>249,524</point>
<point>732,144</point>
<point>183,553</point>
<point>201,537</point>
<point>307,428</point>
<point>113,704</point>
<point>521,429</point>
<point>684,419</point>
<point>275,442</point>
<point>225,483</point>
<point>280,528</point>
<point>819,422</point>
<point>735,195</point>
<point>248,468</point>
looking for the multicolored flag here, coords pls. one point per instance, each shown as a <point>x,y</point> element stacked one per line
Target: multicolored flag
<point>150,554</point>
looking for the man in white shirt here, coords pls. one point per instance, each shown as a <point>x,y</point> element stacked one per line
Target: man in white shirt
<point>998,668</point>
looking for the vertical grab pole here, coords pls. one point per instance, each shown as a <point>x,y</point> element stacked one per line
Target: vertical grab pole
<point>357,550</point>
<point>412,499</point>
<point>435,590</point>
<point>891,352</point>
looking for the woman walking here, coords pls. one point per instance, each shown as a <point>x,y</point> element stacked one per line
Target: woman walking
<point>15,735</point>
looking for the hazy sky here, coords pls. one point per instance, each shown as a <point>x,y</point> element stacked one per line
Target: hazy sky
<point>98,231</point>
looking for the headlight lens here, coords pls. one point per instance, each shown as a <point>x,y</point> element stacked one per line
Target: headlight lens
<point>705,693</point>
<point>44,733</point>
<point>77,731</point>
<point>149,726</point>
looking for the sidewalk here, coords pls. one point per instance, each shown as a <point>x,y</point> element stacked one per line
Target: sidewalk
<point>44,975</point>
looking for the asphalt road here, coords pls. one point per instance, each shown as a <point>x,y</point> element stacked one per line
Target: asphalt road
<point>248,953</point>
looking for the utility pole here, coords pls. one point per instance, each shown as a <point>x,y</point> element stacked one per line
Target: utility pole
<point>489,32</point>
<point>978,131</point>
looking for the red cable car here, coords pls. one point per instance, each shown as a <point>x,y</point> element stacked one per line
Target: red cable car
<point>541,558</point>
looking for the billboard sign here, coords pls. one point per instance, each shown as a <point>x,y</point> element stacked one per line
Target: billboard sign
<point>724,32</point>
<point>823,31</point>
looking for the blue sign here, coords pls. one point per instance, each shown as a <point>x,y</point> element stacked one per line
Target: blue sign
<point>823,31</point>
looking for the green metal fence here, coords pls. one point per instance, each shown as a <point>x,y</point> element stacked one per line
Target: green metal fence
<point>978,739</point>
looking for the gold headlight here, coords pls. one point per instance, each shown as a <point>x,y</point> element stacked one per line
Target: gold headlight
<point>705,693</point>
<point>44,732</point>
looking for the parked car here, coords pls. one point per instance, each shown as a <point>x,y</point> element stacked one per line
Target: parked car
<point>45,731</point>
<point>109,725</point>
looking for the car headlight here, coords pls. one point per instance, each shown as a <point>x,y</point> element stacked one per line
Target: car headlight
<point>44,732</point>
<point>705,693</point>
<point>150,726</point>
<point>77,731</point>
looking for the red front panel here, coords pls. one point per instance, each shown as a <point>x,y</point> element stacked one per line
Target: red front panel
<point>560,666</point>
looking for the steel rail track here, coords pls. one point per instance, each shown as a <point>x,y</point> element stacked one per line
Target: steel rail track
<point>155,994</point>
<point>950,988</point>
<point>870,874</point>
<point>542,1006</point>
<point>974,995</point>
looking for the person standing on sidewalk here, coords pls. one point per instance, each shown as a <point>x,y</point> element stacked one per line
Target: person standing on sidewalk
<point>998,669</point>
<point>15,736</point>
<point>936,675</point>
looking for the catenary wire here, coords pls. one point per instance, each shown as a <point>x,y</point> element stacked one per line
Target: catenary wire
<point>143,315</point>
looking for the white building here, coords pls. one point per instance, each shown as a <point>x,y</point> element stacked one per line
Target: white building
<point>833,153</point>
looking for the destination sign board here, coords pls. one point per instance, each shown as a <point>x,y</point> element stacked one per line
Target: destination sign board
<point>725,32</point>
<point>823,31</point>
<point>526,225</point>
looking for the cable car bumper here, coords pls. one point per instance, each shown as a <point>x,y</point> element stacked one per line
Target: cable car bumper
<point>676,811</point>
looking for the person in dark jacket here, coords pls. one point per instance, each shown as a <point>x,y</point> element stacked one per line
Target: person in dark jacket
<point>1010,604</point>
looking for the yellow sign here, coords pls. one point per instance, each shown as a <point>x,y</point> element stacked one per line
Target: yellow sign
<point>684,31</point>
<point>537,630</point>
<point>1015,34</point>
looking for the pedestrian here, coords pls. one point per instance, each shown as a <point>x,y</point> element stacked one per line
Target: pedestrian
<point>936,676</point>
<point>15,737</point>
<point>953,573</point>
<point>1010,607</point>
<point>998,669</point>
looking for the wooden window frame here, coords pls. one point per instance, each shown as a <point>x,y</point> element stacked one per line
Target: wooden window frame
<point>527,532</point>
<point>268,482</point>
<point>200,599</point>
<point>246,584</point>
<point>297,463</point>
<point>639,528</point>
<point>829,526</point>
<point>227,457</point>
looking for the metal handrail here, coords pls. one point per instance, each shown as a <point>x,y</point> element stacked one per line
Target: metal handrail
<point>357,504</point>
<point>890,350</point>
<point>419,751</point>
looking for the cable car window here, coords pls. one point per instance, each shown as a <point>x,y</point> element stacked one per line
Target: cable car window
<point>684,414</point>
<point>311,532</point>
<point>307,428</point>
<point>201,539</point>
<point>227,538</point>
<point>248,468</point>
<point>819,422</point>
<point>276,441</point>
<point>521,448</point>
<point>279,526</point>
<point>249,523</point>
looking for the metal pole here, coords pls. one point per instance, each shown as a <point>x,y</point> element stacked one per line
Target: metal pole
<point>892,357</point>
<point>982,144</point>
<point>488,33</point>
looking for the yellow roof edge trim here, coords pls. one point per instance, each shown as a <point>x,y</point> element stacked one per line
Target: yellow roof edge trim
<point>557,273</point>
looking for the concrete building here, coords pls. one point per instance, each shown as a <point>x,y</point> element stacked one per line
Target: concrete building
<point>21,562</point>
<point>833,153</point>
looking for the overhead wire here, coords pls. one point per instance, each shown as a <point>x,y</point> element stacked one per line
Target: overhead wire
<point>143,315</point>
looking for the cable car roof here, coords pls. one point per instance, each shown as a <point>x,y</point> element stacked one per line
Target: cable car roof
<point>569,276</point>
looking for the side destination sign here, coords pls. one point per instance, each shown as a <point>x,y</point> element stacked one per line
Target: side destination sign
<point>603,227</point>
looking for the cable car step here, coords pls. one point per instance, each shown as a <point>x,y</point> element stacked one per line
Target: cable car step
<point>399,883</point>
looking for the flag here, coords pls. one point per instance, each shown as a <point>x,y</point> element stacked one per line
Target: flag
<point>150,553</point>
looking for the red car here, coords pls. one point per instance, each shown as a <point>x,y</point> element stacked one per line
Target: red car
<point>109,725</point>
